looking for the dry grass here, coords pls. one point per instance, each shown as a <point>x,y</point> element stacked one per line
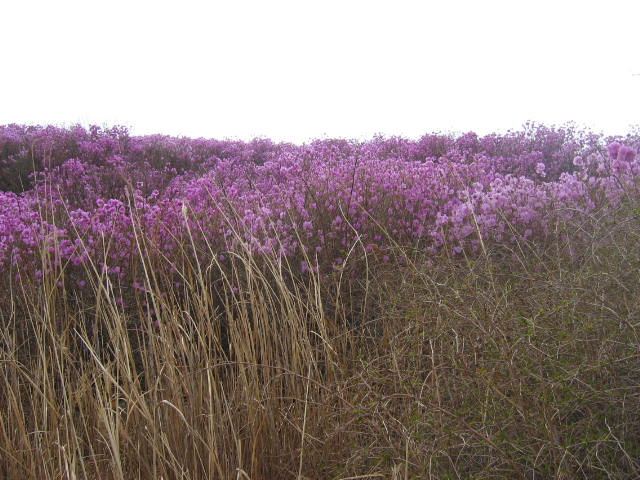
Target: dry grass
<point>522,364</point>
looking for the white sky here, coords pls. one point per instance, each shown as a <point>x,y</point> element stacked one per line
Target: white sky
<point>296,70</point>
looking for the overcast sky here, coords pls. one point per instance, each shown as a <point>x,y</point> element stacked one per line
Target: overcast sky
<point>296,70</point>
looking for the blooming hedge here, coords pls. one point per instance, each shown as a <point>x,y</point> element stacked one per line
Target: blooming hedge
<point>74,197</point>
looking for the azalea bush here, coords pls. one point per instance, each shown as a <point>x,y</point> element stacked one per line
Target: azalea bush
<point>90,193</point>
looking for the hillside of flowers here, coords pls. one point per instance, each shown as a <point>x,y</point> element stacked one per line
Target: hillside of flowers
<point>72,198</point>
<point>453,306</point>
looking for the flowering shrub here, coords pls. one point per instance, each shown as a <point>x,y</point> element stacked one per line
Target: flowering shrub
<point>81,196</point>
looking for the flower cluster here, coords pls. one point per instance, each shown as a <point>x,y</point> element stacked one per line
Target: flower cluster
<point>74,197</point>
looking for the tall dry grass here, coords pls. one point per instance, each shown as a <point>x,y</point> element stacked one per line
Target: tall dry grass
<point>521,363</point>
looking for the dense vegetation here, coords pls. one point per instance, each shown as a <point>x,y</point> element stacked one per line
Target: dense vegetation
<point>449,307</point>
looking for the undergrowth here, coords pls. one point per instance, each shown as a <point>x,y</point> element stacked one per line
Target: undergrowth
<point>518,363</point>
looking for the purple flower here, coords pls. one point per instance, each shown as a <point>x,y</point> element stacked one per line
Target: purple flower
<point>613,149</point>
<point>626,154</point>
